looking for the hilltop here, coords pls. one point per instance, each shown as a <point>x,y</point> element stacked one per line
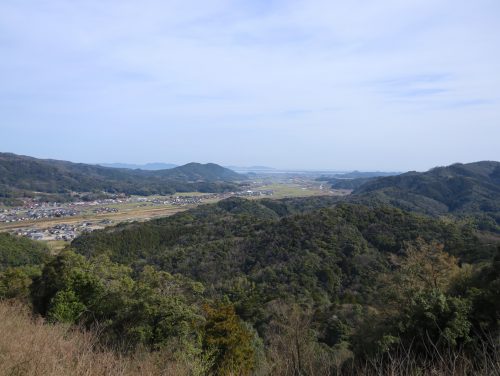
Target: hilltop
<point>353,179</point>
<point>201,172</point>
<point>27,176</point>
<point>461,189</point>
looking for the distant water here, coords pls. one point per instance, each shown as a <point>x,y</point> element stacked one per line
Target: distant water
<point>271,171</point>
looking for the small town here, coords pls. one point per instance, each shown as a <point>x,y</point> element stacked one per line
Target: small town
<point>95,214</point>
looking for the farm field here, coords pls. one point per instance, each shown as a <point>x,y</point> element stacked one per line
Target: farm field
<point>72,219</point>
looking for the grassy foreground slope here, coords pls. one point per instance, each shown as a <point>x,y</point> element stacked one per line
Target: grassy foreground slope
<point>47,349</point>
<point>31,346</point>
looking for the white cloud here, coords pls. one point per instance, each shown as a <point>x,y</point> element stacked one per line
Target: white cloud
<point>326,78</point>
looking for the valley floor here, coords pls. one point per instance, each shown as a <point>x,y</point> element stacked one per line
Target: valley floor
<point>60,223</point>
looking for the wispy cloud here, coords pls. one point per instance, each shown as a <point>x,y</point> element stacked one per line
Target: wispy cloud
<point>180,67</point>
<point>470,103</point>
<point>414,87</point>
<point>416,79</point>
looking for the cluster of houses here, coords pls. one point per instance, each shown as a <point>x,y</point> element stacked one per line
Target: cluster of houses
<point>50,213</point>
<point>254,193</point>
<point>32,211</point>
<point>105,209</point>
<point>58,232</point>
<point>67,232</point>
<point>179,200</point>
<point>62,231</point>
<point>35,210</point>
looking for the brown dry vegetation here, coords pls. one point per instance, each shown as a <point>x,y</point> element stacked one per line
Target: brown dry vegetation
<point>438,363</point>
<point>31,346</point>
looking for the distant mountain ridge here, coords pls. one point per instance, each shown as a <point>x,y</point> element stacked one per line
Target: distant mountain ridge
<point>458,188</point>
<point>197,171</point>
<point>354,179</point>
<point>147,166</point>
<point>364,174</point>
<point>23,176</point>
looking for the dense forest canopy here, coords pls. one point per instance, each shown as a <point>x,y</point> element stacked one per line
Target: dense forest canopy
<point>465,190</point>
<point>334,267</point>
<point>19,251</point>
<point>302,286</point>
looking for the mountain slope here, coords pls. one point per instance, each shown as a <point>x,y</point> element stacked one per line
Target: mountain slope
<point>312,254</point>
<point>22,175</point>
<point>354,179</point>
<point>302,273</point>
<point>338,183</point>
<point>197,171</point>
<point>472,188</point>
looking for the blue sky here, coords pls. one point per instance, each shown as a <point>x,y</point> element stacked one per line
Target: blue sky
<point>361,84</point>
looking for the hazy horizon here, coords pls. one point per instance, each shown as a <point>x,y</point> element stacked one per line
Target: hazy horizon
<point>317,85</point>
<point>249,166</point>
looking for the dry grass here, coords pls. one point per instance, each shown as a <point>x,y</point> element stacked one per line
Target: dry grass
<point>483,361</point>
<point>32,347</point>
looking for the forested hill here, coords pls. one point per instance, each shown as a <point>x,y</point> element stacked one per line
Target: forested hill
<point>22,175</point>
<point>353,179</point>
<point>468,189</point>
<point>200,172</point>
<point>258,285</point>
<point>320,254</point>
<point>285,247</point>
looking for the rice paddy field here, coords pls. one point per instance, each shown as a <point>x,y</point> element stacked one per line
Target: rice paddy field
<point>59,231</point>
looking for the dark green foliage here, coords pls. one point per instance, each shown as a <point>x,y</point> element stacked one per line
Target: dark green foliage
<point>197,171</point>
<point>21,260</point>
<point>66,286</point>
<point>435,317</point>
<point>337,183</point>
<point>354,179</point>
<point>463,189</point>
<point>151,309</point>
<point>314,281</point>
<point>430,304</point>
<point>231,342</point>
<point>23,176</point>
<point>316,254</point>
<point>20,251</point>
<point>15,282</point>
<point>330,260</point>
<point>483,289</point>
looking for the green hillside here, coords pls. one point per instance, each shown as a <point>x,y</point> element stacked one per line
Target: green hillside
<point>200,172</point>
<point>315,255</point>
<point>354,183</point>
<point>18,251</point>
<point>461,189</point>
<point>247,287</point>
<point>22,176</point>
<point>335,266</point>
